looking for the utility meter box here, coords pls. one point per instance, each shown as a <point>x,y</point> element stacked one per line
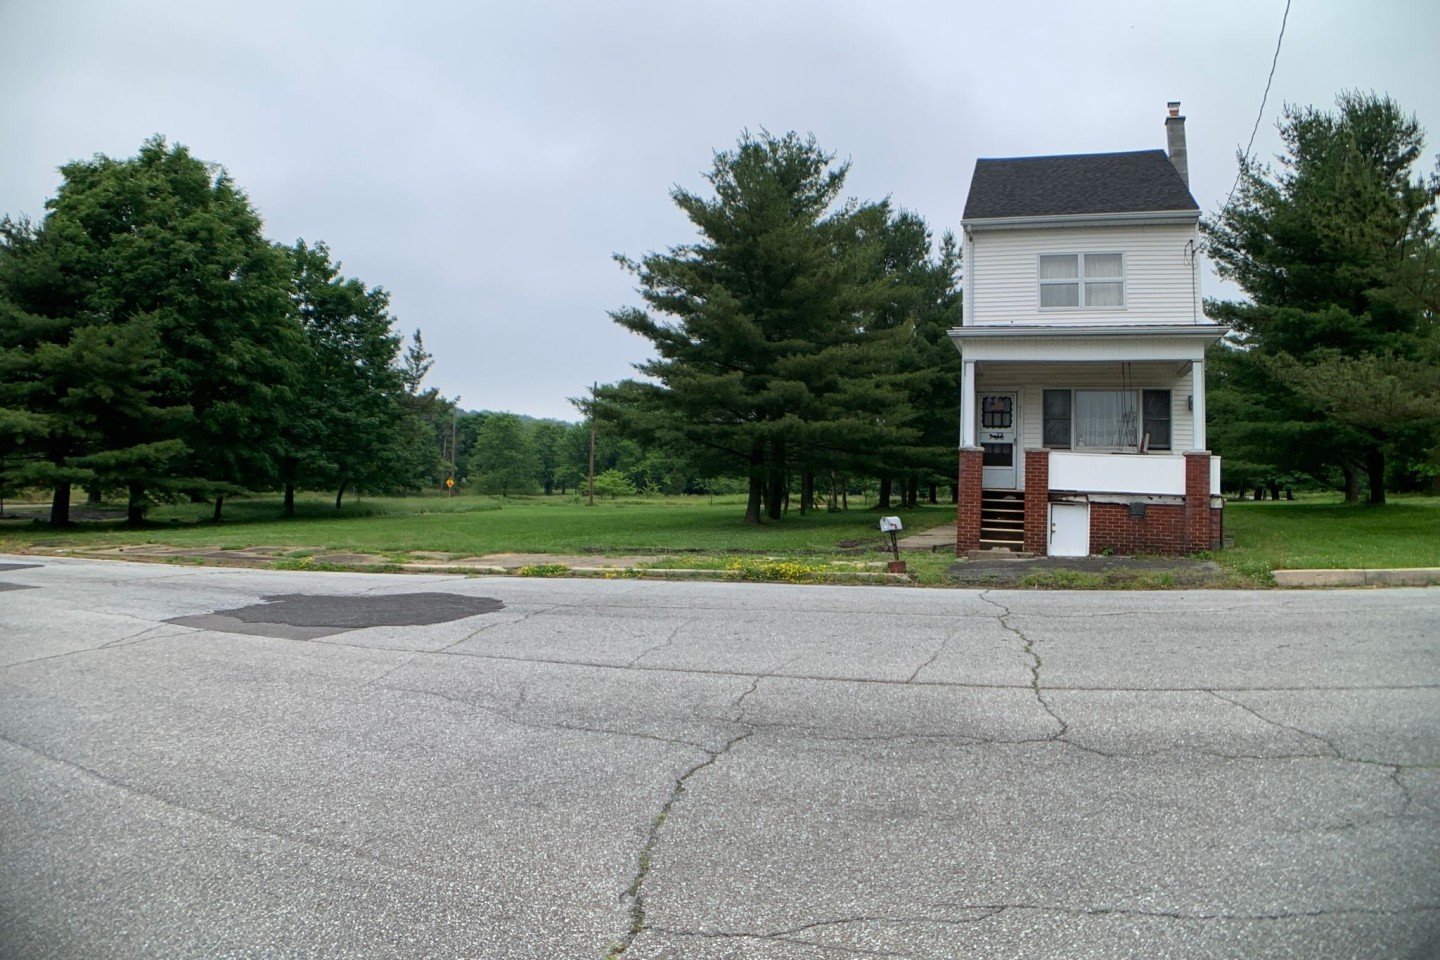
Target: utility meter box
<point>890,524</point>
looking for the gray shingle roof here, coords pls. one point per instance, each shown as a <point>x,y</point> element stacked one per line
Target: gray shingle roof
<point>1137,182</point>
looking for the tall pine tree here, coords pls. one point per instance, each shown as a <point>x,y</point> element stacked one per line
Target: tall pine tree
<point>1335,250</point>
<point>767,353</point>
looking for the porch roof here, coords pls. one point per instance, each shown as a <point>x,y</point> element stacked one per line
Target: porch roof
<point>1209,332</point>
<point>1054,342</point>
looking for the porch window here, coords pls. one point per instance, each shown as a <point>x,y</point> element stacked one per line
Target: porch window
<point>1106,419</point>
<point>1057,419</point>
<point>1094,280</point>
<point>1156,424</point>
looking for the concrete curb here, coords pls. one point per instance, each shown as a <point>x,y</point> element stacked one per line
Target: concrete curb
<point>1400,577</point>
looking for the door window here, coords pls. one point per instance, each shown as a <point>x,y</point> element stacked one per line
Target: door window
<point>997,413</point>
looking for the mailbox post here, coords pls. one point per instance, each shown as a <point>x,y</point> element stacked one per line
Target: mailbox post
<point>892,525</point>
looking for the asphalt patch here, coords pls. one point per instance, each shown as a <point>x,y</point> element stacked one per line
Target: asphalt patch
<point>17,566</point>
<point>304,616</point>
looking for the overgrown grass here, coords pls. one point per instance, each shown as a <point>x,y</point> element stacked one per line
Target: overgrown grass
<point>470,525</point>
<point>1327,533</point>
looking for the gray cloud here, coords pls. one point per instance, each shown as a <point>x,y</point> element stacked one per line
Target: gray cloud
<point>482,161</point>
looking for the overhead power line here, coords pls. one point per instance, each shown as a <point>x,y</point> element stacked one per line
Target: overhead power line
<point>1263,99</point>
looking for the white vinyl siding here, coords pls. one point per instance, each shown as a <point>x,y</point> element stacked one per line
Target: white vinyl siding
<point>1160,282</point>
<point>1038,377</point>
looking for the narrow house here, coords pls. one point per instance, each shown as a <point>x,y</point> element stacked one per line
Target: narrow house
<point>1082,425</point>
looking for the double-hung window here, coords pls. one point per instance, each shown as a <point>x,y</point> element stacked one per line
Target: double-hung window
<point>1106,419</point>
<point>1094,280</point>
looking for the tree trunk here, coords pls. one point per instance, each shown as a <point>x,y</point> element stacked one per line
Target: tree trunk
<point>340,494</point>
<point>135,505</point>
<point>1352,483</point>
<point>777,487</point>
<point>60,505</point>
<point>289,510</point>
<point>807,490</point>
<point>883,502</point>
<point>92,493</point>
<point>1375,472</point>
<point>912,491</point>
<point>934,493</point>
<point>833,505</point>
<point>757,483</point>
<point>955,493</point>
<point>219,505</point>
<point>1274,487</point>
<point>844,494</point>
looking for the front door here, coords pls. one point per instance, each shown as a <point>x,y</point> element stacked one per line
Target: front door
<point>996,432</point>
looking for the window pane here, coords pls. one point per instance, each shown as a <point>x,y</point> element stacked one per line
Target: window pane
<point>997,455</point>
<point>1103,265</point>
<point>1157,418</point>
<point>1106,418</point>
<point>1057,419</point>
<point>996,413</point>
<point>1104,294</point>
<point>1059,294</point>
<point>1065,267</point>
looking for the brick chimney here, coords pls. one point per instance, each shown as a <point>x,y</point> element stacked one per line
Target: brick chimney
<point>1175,140</point>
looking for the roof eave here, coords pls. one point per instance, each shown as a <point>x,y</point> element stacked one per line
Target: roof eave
<point>1115,219</point>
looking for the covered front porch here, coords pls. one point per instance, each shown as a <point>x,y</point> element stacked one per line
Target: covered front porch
<point>1086,442</point>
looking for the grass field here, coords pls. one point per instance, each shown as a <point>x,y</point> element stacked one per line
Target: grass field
<point>1324,532</point>
<point>1318,531</point>
<point>478,525</point>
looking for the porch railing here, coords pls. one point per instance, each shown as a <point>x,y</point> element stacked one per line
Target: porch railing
<point>1151,473</point>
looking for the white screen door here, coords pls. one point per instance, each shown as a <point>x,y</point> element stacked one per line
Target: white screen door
<point>996,433</point>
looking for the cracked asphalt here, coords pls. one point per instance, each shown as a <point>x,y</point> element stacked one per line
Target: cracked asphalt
<point>440,767</point>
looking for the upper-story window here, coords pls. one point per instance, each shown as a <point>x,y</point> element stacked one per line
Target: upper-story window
<point>1082,280</point>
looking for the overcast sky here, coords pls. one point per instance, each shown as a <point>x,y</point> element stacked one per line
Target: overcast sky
<point>482,161</point>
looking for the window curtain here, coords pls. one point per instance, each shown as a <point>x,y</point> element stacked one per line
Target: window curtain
<point>1105,418</point>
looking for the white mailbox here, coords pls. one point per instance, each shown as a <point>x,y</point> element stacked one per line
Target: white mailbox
<point>890,524</point>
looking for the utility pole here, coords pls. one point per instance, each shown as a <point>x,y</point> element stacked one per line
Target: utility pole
<point>593,388</point>
<point>454,421</point>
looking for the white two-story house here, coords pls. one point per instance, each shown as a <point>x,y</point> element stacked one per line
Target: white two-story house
<point>1083,343</point>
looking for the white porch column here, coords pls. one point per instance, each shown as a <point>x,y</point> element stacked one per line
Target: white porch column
<point>967,404</point>
<point>1197,411</point>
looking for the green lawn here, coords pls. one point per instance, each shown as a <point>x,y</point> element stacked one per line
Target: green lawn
<point>1318,531</point>
<point>477,525</point>
<point>1325,532</point>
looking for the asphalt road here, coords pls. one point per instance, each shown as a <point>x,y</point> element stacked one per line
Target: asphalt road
<point>520,768</point>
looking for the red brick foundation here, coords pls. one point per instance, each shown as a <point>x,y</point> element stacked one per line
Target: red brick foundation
<point>967,512</point>
<point>1161,530</point>
<point>1037,501</point>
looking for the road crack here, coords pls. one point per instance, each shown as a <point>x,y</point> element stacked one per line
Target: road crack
<point>635,893</point>
<point>659,646</point>
<point>1028,646</point>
